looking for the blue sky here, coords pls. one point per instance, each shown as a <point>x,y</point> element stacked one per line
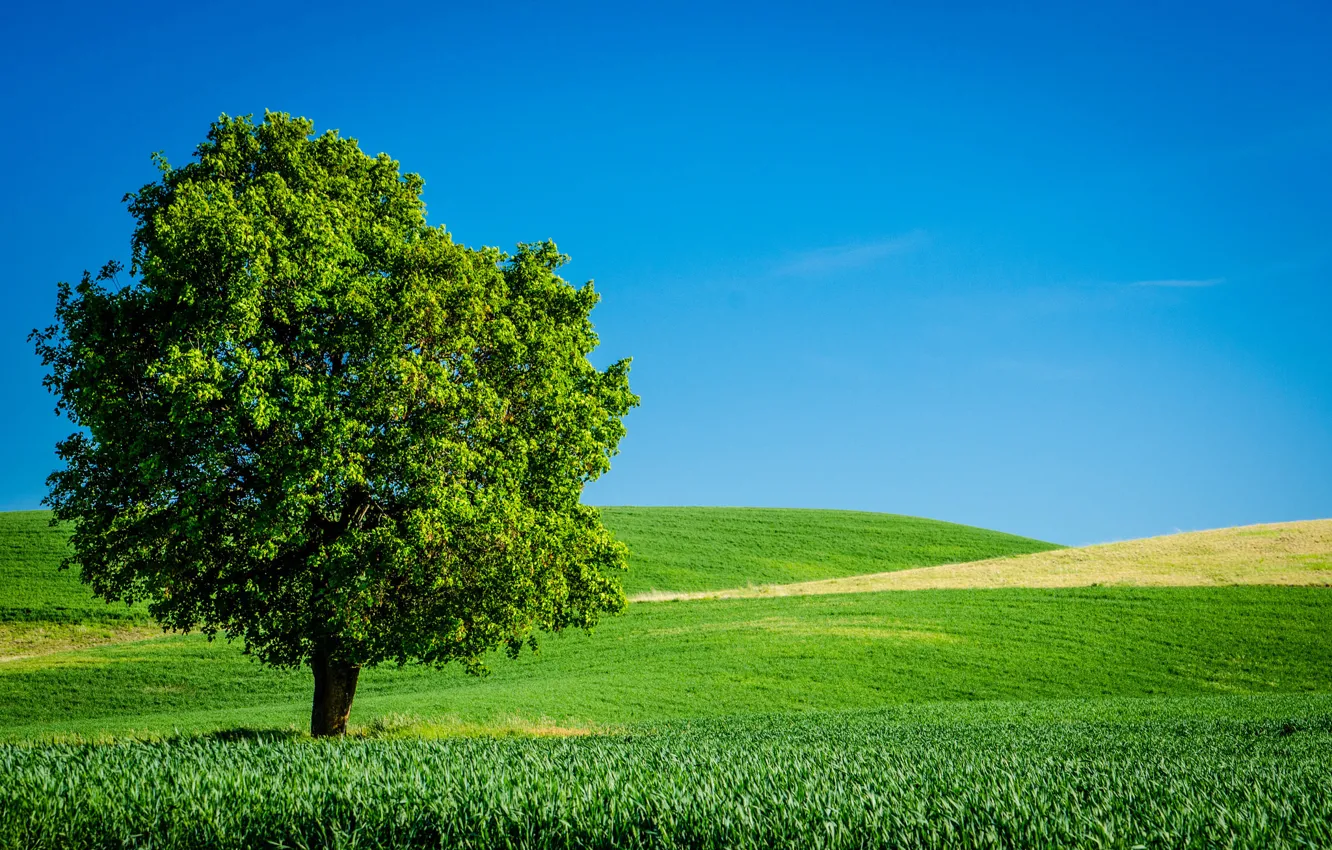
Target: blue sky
<point>1058,269</point>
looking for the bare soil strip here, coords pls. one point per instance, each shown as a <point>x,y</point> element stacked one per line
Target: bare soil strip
<point>1284,553</point>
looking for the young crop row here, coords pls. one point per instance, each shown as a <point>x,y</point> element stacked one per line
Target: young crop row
<point>832,780</point>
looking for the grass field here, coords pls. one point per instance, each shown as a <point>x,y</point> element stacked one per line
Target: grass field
<point>33,590</point>
<point>691,549</point>
<point>678,660</point>
<point>1229,772</point>
<point>1286,553</point>
<point>672,550</point>
<point>1114,716</point>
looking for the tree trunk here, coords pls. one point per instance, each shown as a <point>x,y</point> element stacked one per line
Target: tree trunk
<point>335,685</point>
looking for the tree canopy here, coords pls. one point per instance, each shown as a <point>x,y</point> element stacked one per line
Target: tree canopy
<point>314,423</point>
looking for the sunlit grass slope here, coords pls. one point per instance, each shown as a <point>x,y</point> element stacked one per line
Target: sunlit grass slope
<point>692,549</point>
<point>694,659</point>
<point>1284,553</point>
<point>690,659</point>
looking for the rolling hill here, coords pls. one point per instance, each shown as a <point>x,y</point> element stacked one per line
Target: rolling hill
<point>671,550</point>
<point>729,657</point>
<point>1284,553</point>
<point>692,549</point>
<point>689,659</point>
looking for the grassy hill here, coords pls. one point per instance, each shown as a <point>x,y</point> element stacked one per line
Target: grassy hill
<point>692,549</point>
<point>672,550</point>
<point>1285,553</point>
<point>692,659</point>
<point>963,717</point>
<point>45,609</point>
<point>33,588</point>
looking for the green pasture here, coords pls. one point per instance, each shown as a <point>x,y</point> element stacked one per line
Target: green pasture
<point>1115,717</point>
<point>692,549</point>
<point>33,589</point>
<point>671,549</point>
<point>671,660</point>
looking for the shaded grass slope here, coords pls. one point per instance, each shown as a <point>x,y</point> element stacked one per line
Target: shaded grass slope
<point>692,659</point>
<point>34,589</point>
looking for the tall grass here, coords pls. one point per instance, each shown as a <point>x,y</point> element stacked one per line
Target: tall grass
<point>824,780</point>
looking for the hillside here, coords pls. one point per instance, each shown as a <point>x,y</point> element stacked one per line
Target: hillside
<point>697,659</point>
<point>33,588</point>
<point>44,609</point>
<point>719,657</point>
<point>693,549</point>
<point>671,549</point>
<point>1286,553</point>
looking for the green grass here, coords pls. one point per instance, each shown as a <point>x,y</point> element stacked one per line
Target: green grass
<point>1091,716</point>
<point>693,549</point>
<point>1254,773</point>
<point>691,659</point>
<point>33,588</point>
<point>672,549</point>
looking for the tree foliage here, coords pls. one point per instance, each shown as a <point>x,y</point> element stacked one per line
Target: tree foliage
<point>314,423</point>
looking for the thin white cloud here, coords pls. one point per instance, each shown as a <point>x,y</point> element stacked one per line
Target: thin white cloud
<point>1183,283</point>
<point>845,257</point>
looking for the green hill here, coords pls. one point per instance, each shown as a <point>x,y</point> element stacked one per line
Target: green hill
<point>671,549</point>
<point>44,609</point>
<point>708,658</point>
<point>1281,553</point>
<point>680,660</point>
<point>33,588</point>
<point>692,549</point>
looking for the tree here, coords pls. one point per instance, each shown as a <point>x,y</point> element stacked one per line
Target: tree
<point>316,424</point>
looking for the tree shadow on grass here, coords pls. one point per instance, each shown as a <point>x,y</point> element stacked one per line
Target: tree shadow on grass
<point>239,734</point>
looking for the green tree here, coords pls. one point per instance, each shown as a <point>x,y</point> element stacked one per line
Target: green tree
<point>314,423</point>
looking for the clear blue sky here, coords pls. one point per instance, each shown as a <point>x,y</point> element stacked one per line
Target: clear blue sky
<point>1060,269</point>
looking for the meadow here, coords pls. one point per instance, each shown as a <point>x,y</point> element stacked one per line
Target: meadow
<point>672,550</point>
<point>1282,553</point>
<point>679,660</point>
<point>699,549</point>
<point>954,716</point>
<point>32,587</point>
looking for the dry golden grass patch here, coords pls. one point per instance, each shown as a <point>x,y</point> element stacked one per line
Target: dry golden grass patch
<point>20,640</point>
<point>1286,553</point>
